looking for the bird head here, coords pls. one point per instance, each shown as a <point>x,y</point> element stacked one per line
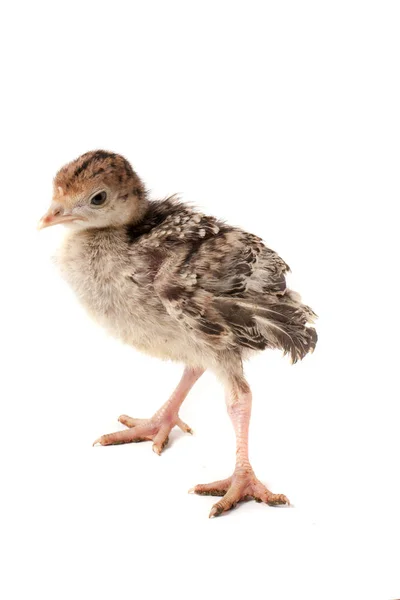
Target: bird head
<point>99,189</point>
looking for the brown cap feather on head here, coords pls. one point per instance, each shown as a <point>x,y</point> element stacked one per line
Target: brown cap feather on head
<point>98,165</point>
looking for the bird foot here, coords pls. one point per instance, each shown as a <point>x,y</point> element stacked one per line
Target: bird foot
<point>243,485</point>
<point>157,429</point>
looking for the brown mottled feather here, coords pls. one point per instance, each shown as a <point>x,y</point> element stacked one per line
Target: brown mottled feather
<point>222,283</point>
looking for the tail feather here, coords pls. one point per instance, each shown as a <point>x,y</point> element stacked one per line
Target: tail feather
<point>283,323</point>
<point>286,325</point>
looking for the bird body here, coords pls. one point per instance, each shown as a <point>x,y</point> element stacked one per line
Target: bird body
<point>186,287</point>
<point>179,285</point>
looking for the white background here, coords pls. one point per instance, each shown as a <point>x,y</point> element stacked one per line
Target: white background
<point>283,118</point>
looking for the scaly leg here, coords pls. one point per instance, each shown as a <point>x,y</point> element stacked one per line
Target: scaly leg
<point>159,426</point>
<point>243,484</point>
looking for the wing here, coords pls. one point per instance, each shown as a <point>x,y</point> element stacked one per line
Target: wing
<point>217,282</point>
<point>221,283</point>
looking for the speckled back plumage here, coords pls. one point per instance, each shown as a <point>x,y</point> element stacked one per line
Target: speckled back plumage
<point>226,286</point>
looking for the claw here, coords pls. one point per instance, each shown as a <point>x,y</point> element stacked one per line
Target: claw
<point>156,449</point>
<point>215,512</point>
<point>184,427</point>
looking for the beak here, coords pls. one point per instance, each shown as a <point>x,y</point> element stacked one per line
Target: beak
<point>56,215</point>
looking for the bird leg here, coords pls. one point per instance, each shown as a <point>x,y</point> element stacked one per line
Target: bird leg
<point>243,484</point>
<point>158,427</point>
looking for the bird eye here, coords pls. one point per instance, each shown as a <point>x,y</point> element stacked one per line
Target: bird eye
<point>98,199</point>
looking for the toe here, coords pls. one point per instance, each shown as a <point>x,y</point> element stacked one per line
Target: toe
<point>277,499</point>
<point>107,440</point>
<point>228,502</point>
<point>161,439</point>
<point>122,437</point>
<point>129,422</point>
<point>184,427</point>
<point>217,488</point>
<point>159,447</point>
<point>215,511</point>
<point>261,493</point>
